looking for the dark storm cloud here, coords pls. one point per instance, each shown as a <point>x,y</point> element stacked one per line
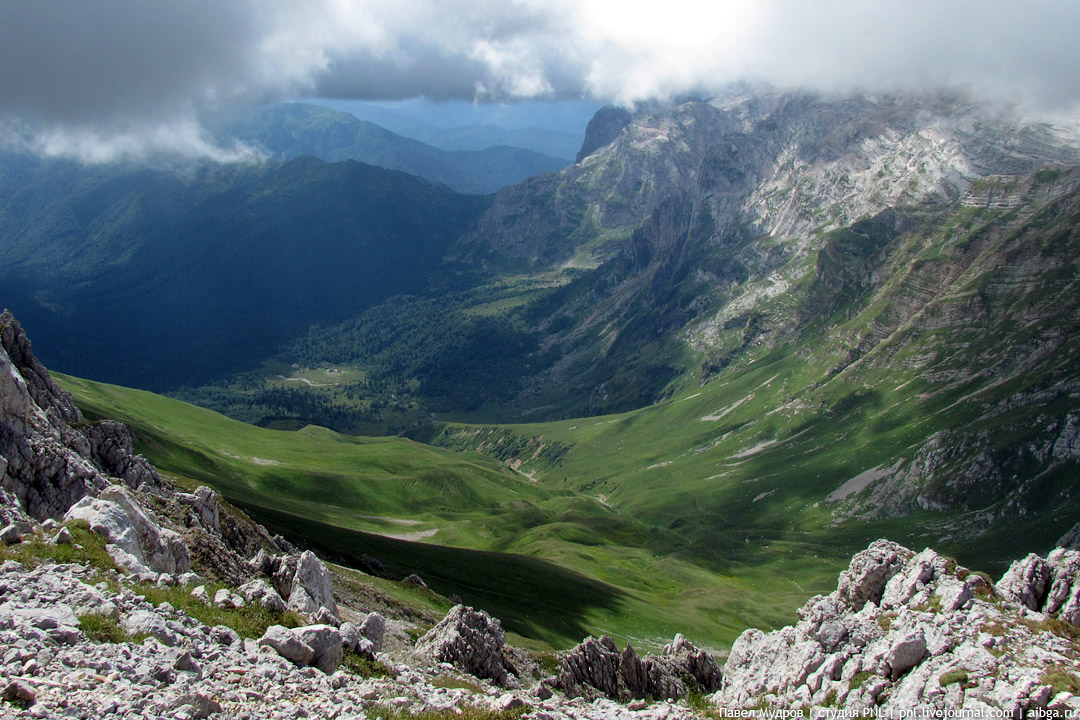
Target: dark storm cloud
<point>127,77</point>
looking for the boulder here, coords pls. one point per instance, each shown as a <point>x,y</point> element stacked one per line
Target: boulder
<point>1026,581</point>
<point>109,520</point>
<point>373,628</point>
<point>314,645</point>
<point>596,668</point>
<point>906,652</point>
<point>589,668</point>
<point>312,586</point>
<point>325,641</point>
<point>288,645</point>
<point>10,534</point>
<point>145,622</point>
<point>471,640</point>
<point>163,549</point>
<point>259,592</point>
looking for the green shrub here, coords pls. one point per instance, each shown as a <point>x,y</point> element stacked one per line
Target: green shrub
<point>858,679</point>
<point>86,548</point>
<point>463,712</point>
<point>952,677</point>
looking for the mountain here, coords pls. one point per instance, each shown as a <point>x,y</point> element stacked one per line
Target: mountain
<point>288,131</point>
<point>165,277</point>
<point>551,128</point>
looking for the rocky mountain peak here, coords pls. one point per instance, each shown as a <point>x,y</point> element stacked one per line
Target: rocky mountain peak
<point>604,127</point>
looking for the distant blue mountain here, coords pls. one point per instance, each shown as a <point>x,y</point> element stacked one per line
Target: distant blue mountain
<point>551,128</point>
<point>291,130</point>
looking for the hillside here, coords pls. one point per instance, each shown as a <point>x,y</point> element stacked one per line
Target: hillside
<point>464,523</point>
<point>207,270</point>
<point>288,131</point>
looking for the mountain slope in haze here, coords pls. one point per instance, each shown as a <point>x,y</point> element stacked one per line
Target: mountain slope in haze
<point>288,131</point>
<point>549,128</point>
<point>164,278</point>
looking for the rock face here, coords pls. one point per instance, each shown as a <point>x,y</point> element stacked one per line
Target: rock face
<point>1050,585</point>
<point>471,640</point>
<point>906,630</point>
<point>602,129</point>
<point>596,668</point>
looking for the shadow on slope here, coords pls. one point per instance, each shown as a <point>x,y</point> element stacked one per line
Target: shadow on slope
<point>531,597</point>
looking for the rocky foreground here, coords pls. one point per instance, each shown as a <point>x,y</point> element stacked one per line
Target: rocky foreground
<point>122,597</point>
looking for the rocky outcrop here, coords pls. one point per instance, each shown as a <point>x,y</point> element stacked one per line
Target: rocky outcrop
<point>596,668</point>
<point>602,129</point>
<point>1050,586</point>
<point>471,640</point>
<point>906,630</point>
<point>303,580</point>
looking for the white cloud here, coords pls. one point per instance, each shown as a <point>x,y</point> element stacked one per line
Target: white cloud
<point>114,76</point>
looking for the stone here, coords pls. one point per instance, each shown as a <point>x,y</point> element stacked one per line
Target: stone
<point>201,594</point>
<point>288,645</point>
<point>259,592</point>
<point>471,640</point>
<point>906,652</point>
<point>350,635</point>
<point>163,550</point>
<point>19,691</point>
<point>591,666</point>
<point>373,628</point>
<point>145,622</point>
<point>325,641</point>
<point>10,534</point>
<point>225,598</point>
<point>109,520</point>
<point>869,572</point>
<point>953,594</point>
<point>62,537</point>
<point>204,503</point>
<point>1026,581</point>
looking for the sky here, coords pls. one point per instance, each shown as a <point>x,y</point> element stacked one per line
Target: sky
<point>127,78</point>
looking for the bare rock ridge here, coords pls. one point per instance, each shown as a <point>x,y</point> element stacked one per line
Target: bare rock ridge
<point>910,630</point>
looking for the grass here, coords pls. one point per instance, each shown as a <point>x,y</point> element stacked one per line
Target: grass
<point>250,621</point>
<point>86,548</point>
<point>553,564</point>
<point>104,629</point>
<point>462,712</point>
<point>706,513</point>
<point>1061,680</point>
<point>364,666</point>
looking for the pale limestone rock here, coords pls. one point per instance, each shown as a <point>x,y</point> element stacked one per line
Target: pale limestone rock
<point>259,592</point>
<point>1026,581</point>
<point>470,639</point>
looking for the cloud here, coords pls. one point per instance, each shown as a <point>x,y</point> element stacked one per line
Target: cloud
<point>127,76</point>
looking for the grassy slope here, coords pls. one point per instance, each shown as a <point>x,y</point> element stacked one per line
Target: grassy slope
<point>706,514</point>
<point>553,564</point>
<point>970,331</point>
